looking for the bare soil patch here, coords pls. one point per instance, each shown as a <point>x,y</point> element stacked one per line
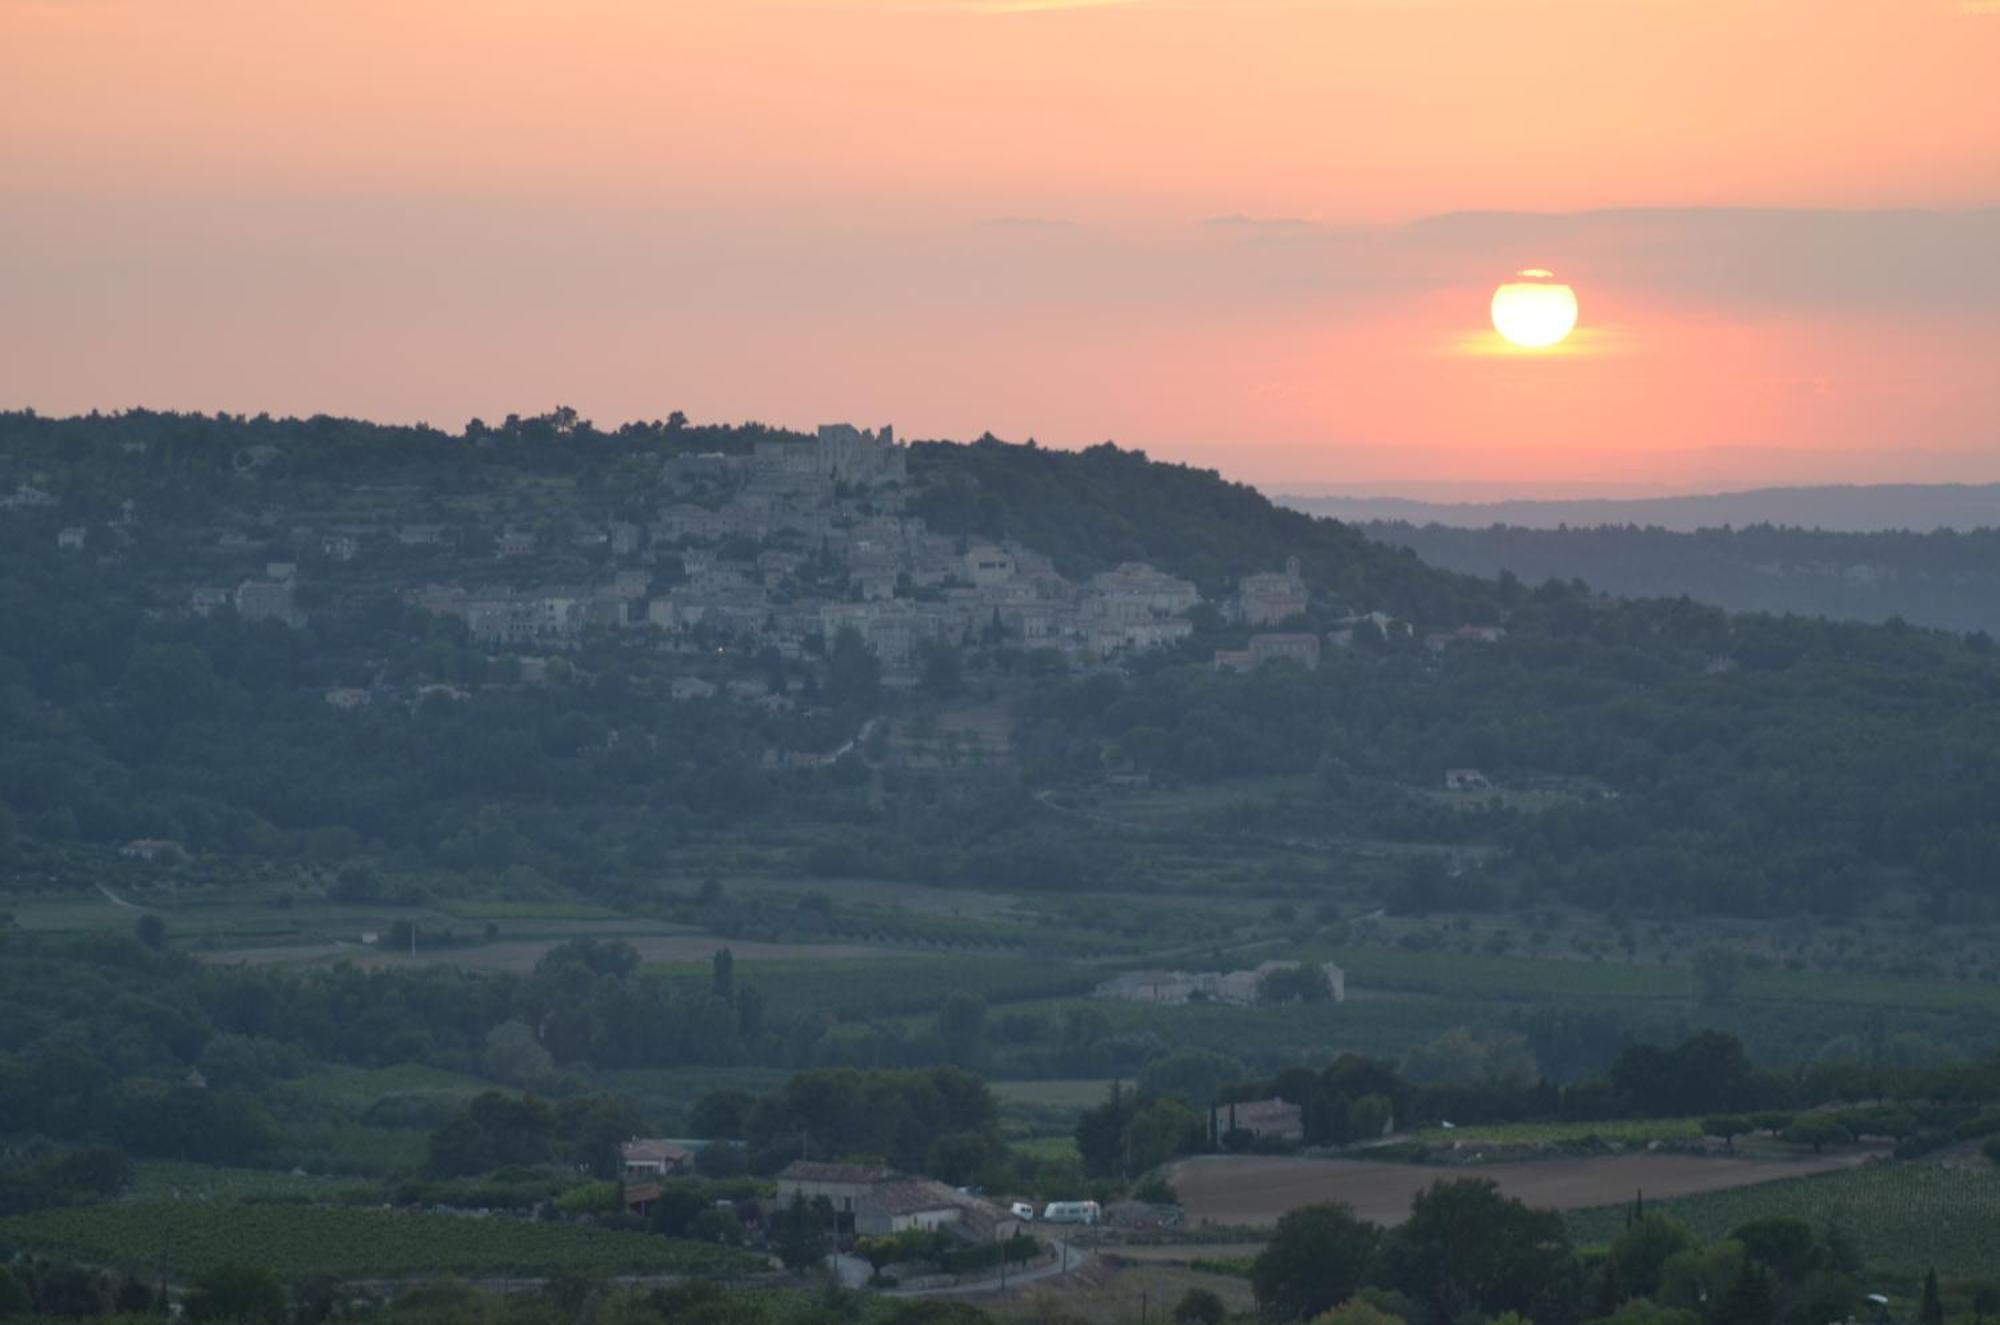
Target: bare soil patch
<point>1257,1189</point>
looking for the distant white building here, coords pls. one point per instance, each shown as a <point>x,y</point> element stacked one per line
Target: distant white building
<point>643,1157</point>
<point>987,565</point>
<point>1239,987</point>
<point>268,600</point>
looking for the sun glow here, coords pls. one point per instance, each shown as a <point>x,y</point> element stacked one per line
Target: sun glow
<point>1534,311</point>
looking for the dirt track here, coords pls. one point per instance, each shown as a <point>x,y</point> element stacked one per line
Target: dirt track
<point>1256,1189</point>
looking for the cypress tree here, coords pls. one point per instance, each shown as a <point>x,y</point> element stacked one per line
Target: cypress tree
<point>1932,1310</point>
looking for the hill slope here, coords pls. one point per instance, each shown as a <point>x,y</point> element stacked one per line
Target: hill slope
<point>360,738</point>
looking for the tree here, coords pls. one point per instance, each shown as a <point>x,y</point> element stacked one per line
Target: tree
<point>1316,1259</point>
<point>151,931</point>
<point>1357,1311</point>
<point>1466,1247</point>
<point>237,1293</point>
<point>1818,1131</point>
<point>1726,1127</point>
<point>1748,1300</point>
<point>943,676</point>
<point>1644,1311</point>
<point>675,1212</point>
<point>1100,1133</point>
<point>798,1233</point>
<point>1930,1311</point>
<point>1158,1131</point>
<point>1195,1076</point>
<point>1303,983</point>
<point>515,1056</point>
<point>719,1114</point>
<point>1199,1306</point>
<point>1825,1294</point>
<point>1644,1248</point>
<point>749,1014</point>
<point>1785,1246</point>
<point>493,1130</point>
<point>853,676</point>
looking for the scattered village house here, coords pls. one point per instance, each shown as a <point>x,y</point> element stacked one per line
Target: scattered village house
<point>268,600</point>
<point>872,1201</point>
<point>644,1157</point>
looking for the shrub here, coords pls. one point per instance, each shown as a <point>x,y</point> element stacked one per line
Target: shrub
<point>1199,1306</point>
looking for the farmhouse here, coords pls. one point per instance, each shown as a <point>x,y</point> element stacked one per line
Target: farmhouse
<point>846,1186</point>
<point>1244,988</point>
<point>1266,1120</point>
<point>906,1205</point>
<point>641,1156</point>
<point>873,1201</point>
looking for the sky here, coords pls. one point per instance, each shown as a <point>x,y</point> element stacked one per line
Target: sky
<point>1253,235</point>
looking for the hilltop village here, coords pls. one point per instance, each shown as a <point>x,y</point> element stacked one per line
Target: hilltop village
<point>783,547</point>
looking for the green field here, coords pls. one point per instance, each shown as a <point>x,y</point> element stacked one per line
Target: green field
<point>893,986</point>
<point>1631,1132</point>
<point>187,1237</point>
<point>170,1180</point>
<point>1527,978</point>
<point>1072,1097</point>
<point>357,1088</point>
<point>1905,1217</point>
<point>501,909</point>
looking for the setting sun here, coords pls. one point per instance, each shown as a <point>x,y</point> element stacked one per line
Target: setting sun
<point>1534,311</point>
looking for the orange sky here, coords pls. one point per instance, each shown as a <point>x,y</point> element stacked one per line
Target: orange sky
<point>1256,234</point>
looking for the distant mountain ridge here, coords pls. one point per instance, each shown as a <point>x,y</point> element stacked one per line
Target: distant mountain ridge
<point>1847,508</point>
<point>1943,578</point>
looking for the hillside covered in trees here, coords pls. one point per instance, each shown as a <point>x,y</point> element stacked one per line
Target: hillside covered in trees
<point>360,739</point>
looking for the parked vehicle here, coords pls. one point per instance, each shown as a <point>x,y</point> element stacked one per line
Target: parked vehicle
<point>1072,1212</point>
<point>1021,1210</point>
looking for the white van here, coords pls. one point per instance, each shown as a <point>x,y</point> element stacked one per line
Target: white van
<point>1021,1210</point>
<point>1072,1212</point>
